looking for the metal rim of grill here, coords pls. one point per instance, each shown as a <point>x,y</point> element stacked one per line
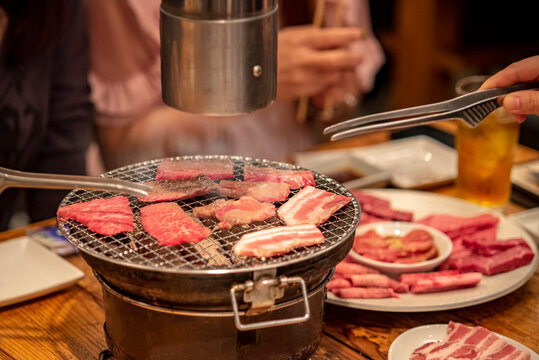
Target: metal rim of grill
<point>138,249</point>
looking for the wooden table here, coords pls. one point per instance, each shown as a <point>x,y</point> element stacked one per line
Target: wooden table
<point>69,324</point>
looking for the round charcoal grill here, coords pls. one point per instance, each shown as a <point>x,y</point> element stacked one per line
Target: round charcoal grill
<point>206,275</point>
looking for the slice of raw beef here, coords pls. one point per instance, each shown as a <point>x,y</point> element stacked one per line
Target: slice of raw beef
<point>455,226</point>
<point>295,178</point>
<point>311,206</point>
<point>167,190</point>
<point>380,208</point>
<point>170,169</point>
<point>260,190</point>
<point>103,216</point>
<point>170,225</point>
<point>278,240</point>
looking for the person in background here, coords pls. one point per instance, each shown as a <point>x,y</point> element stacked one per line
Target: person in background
<point>44,97</point>
<point>133,124</point>
<point>520,103</point>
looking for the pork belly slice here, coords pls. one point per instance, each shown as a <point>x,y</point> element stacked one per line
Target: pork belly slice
<point>365,293</point>
<point>103,216</point>
<point>455,226</point>
<point>180,169</point>
<point>347,268</point>
<point>170,225</point>
<point>445,282</point>
<point>167,190</point>
<point>504,261</point>
<point>311,206</point>
<point>294,178</point>
<point>445,350</point>
<point>243,211</point>
<point>278,240</point>
<point>377,280</point>
<point>380,208</point>
<point>260,190</point>
<point>338,283</point>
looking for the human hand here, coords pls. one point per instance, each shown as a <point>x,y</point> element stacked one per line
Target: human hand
<point>519,103</point>
<point>312,60</point>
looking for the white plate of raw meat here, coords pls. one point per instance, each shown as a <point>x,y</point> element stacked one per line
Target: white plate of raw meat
<point>490,287</point>
<point>405,344</point>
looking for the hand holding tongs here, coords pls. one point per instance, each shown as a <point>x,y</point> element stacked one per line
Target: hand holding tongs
<point>472,108</point>
<point>14,178</point>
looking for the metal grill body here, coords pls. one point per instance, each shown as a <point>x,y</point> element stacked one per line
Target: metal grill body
<point>194,275</point>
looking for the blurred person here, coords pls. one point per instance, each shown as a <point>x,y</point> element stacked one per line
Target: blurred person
<point>133,123</point>
<point>44,97</point>
<point>519,103</point>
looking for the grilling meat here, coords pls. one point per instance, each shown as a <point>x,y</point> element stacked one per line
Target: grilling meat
<point>278,240</point>
<point>170,225</point>
<point>311,206</point>
<point>103,216</point>
<point>181,169</point>
<point>260,190</point>
<point>295,178</point>
<point>167,190</point>
<point>243,211</point>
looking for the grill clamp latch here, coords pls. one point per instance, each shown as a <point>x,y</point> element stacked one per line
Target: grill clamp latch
<point>262,294</point>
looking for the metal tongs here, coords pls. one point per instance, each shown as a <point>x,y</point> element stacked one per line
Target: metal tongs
<point>472,108</point>
<point>13,178</point>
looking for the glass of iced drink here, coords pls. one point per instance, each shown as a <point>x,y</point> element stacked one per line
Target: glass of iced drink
<point>485,153</point>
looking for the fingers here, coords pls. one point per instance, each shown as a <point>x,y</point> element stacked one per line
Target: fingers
<point>329,38</point>
<point>522,102</point>
<point>521,71</point>
<point>340,59</point>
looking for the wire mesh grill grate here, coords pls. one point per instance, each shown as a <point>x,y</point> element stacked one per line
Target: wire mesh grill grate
<point>214,253</point>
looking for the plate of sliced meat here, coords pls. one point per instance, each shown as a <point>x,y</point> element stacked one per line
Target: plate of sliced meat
<point>492,255</point>
<point>455,340</point>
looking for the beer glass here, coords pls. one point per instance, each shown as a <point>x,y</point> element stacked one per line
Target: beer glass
<point>485,153</point>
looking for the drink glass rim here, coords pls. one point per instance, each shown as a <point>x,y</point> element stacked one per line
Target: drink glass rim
<point>469,84</point>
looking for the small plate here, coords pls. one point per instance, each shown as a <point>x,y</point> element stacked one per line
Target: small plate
<point>529,220</point>
<point>526,176</point>
<point>29,270</point>
<point>416,162</point>
<point>397,228</point>
<point>405,344</point>
<point>343,166</point>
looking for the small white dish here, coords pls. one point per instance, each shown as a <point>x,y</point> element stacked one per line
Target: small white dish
<point>404,345</point>
<point>442,242</point>
<point>29,270</point>
<point>526,176</point>
<point>416,162</point>
<point>529,220</point>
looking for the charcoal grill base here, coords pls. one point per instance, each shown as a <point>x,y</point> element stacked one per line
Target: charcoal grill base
<point>135,330</point>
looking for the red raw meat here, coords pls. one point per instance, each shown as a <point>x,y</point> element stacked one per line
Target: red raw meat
<point>167,190</point>
<point>490,247</point>
<point>208,211</point>
<point>365,293</point>
<point>103,216</point>
<point>377,280</point>
<point>338,283</point>
<point>366,218</point>
<point>416,257</point>
<point>411,278</point>
<point>311,206</point>
<point>380,208</point>
<point>445,282</point>
<point>170,225</point>
<point>455,226</point>
<point>347,268</point>
<point>507,260</point>
<point>295,178</point>
<point>278,240</point>
<point>262,191</point>
<point>419,241</point>
<point>180,169</point>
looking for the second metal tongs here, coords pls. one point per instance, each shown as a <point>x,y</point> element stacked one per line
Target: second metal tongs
<point>472,108</point>
<point>13,178</point>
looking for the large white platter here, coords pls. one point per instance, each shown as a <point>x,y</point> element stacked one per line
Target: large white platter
<point>29,270</point>
<point>490,288</point>
<point>405,344</point>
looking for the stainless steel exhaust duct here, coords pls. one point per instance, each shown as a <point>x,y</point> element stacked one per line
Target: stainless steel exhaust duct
<point>218,57</point>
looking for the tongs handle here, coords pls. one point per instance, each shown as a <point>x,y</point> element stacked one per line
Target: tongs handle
<point>431,112</point>
<point>13,178</point>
